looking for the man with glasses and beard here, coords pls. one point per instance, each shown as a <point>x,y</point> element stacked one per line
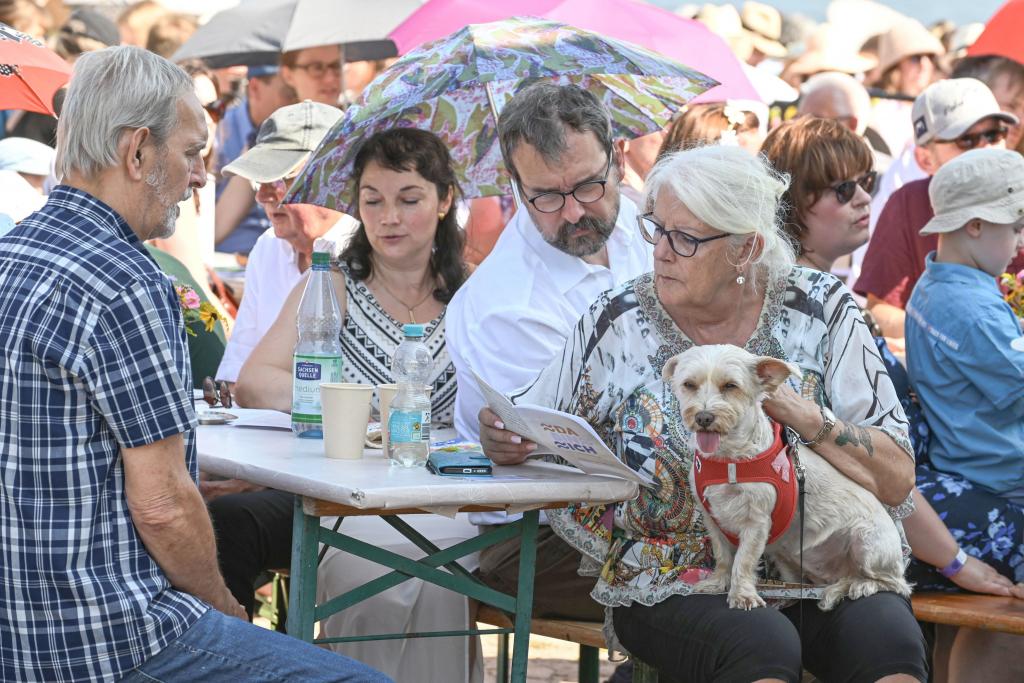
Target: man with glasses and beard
<point>573,237</point>
<point>950,117</point>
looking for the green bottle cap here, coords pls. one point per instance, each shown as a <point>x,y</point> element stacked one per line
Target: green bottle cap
<point>321,258</point>
<point>412,330</point>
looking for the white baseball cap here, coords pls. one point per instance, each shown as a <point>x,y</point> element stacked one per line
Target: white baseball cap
<point>946,109</point>
<point>985,183</point>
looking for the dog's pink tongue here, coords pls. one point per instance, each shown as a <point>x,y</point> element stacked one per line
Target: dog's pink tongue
<point>707,442</point>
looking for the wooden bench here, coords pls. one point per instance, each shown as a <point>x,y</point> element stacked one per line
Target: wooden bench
<point>988,612</point>
<point>587,634</point>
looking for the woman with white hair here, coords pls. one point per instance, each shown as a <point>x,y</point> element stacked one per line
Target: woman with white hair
<point>724,273</point>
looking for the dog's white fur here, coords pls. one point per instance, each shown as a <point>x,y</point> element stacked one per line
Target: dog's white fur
<point>851,545</point>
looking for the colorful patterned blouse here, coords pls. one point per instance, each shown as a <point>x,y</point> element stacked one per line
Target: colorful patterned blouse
<point>610,373</point>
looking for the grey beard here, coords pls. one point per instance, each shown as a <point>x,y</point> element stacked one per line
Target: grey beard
<point>587,245</point>
<point>156,179</point>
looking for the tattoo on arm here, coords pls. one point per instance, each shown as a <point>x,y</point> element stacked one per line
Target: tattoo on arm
<point>857,436</point>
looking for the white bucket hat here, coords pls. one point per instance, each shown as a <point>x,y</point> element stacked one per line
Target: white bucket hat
<point>982,183</point>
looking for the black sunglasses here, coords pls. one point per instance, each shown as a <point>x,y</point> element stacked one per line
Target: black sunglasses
<point>681,242</point>
<point>845,190</point>
<point>970,141</point>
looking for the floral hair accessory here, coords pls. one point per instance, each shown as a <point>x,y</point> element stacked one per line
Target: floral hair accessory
<point>737,118</point>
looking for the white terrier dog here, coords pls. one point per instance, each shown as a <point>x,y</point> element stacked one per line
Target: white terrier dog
<point>851,545</point>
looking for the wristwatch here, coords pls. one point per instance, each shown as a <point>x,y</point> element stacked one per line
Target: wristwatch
<point>828,419</point>
<point>954,567</point>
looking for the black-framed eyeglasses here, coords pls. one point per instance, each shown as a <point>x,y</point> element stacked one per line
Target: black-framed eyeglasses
<point>969,141</point>
<point>318,69</point>
<point>845,190</point>
<point>681,242</point>
<point>585,193</point>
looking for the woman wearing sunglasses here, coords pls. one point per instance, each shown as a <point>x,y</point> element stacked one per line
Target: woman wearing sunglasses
<point>724,273</point>
<point>825,223</point>
<point>828,203</point>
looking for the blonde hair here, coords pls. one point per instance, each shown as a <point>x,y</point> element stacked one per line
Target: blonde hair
<point>731,190</point>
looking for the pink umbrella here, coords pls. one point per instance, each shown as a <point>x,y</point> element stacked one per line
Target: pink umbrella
<point>684,40</point>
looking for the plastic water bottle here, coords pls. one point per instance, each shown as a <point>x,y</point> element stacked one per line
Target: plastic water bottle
<point>409,415</point>
<point>317,355</point>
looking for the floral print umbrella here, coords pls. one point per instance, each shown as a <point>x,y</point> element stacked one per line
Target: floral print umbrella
<point>454,86</point>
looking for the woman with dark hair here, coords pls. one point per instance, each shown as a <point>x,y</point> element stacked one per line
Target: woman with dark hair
<point>402,265</point>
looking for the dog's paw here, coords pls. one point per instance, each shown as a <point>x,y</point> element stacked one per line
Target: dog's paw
<point>832,595</point>
<point>745,598</point>
<point>715,583</point>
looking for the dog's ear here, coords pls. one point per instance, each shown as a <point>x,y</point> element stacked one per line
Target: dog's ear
<point>669,370</point>
<point>772,372</point>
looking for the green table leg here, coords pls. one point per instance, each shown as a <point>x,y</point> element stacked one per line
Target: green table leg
<point>524,595</point>
<point>589,664</point>
<point>502,658</point>
<point>303,574</point>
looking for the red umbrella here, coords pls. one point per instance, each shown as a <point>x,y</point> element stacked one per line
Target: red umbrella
<point>1002,34</point>
<point>684,40</point>
<point>30,73</point>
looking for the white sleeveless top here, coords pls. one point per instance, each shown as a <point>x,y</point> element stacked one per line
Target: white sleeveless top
<point>369,337</point>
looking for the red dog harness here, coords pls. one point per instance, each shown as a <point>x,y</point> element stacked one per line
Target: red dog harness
<point>770,467</point>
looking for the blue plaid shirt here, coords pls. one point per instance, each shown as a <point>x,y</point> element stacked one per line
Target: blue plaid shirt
<point>93,359</point>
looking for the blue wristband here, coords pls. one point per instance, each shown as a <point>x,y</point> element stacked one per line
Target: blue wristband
<point>954,567</point>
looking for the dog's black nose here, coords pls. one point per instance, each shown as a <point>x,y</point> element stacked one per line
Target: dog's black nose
<point>704,419</point>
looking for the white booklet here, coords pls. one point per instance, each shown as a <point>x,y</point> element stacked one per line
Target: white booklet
<point>563,434</point>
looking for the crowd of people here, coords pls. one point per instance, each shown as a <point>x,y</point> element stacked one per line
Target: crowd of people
<point>855,223</point>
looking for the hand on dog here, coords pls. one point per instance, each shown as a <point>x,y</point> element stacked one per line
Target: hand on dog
<point>502,446</point>
<point>979,577</point>
<point>789,408</point>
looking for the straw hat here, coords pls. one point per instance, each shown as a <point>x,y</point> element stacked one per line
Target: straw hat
<point>725,22</point>
<point>764,26</point>
<point>905,39</point>
<point>828,50</point>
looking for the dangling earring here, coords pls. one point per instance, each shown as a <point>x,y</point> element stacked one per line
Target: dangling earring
<point>740,279</point>
<point>441,215</point>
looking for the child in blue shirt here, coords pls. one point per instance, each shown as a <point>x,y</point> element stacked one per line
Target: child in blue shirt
<point>969,378</point>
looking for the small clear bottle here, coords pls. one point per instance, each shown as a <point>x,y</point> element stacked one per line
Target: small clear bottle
<point>317,355</point>
<point>409,414</point>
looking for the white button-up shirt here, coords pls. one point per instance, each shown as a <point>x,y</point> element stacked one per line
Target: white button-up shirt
<point>270,276</point>
<point>515,312</point>
<point>513,315</point>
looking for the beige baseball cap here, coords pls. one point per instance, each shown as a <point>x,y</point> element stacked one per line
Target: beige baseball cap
<point>983,183</point>
<point>285,141</point>
<point>946,109</point>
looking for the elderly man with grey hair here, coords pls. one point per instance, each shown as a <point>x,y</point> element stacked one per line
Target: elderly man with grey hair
<point>573,237</point>
<point>110,570</point>
<point>839,96</point>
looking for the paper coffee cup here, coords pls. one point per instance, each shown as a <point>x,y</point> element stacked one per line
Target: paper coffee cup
<point>346,411</point>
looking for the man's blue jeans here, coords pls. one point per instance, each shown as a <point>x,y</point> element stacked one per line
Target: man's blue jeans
<point>219,649</point>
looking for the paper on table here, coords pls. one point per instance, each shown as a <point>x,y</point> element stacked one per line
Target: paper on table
<point>262,419</point>
<point>563,434</point>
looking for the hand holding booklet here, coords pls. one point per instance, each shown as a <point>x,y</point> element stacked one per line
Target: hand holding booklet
<point>562,434</point>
